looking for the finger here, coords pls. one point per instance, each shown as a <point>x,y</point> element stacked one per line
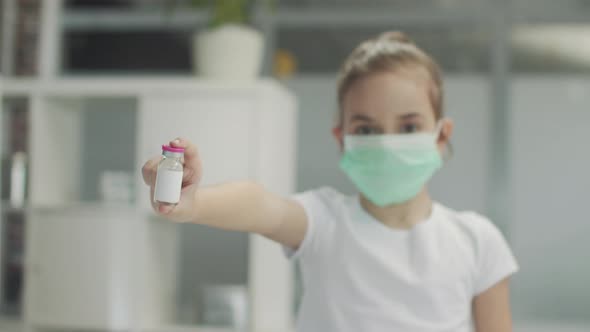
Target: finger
<point>149,169</point>
<point>161,208</point>
<point>152,200</point>
<point>192,162</point>
<point>165,209</point>
<point>190,149</point>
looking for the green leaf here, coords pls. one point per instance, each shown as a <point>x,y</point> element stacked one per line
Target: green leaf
<point>229,11</point>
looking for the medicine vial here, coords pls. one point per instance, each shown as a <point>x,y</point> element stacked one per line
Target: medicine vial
<point>169,176</point>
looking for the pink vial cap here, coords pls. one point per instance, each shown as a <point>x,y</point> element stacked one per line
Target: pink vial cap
<point>171,149</point>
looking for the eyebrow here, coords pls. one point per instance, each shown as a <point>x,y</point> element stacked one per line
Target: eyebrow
<point>409,116</point>
<point>366,118</point>
<point>361,117</point>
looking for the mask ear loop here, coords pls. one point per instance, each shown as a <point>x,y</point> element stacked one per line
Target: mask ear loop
<point>438,128</point>
<point>447,153</point>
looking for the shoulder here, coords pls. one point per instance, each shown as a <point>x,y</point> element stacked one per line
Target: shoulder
<point>323,207</point>
<point>494,259</point>
<point>472,224</point>
<point>325,198</point>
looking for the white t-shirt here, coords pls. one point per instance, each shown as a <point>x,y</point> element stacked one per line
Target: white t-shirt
<point>362,276</point>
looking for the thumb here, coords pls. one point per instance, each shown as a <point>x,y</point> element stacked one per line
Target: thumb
<point>192,162</point>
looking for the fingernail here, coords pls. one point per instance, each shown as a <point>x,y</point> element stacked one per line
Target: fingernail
<point>176,142</point>
<point>164,209</point>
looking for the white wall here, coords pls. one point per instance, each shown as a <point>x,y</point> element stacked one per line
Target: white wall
<point>551,177</point>
<point>317,154</point>
<point>463,181</point>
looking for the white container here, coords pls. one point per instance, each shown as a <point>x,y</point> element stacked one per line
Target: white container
<point>18,179</point>
<point>230,52</point>
<point>169,177</point>
<point>224,306</point>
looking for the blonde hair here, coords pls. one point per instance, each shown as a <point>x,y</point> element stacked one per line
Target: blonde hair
<point>390,51</point>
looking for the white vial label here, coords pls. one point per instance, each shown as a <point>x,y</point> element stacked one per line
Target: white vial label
<point>168,186</point>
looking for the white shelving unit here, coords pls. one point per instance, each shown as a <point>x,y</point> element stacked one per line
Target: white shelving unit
<point>109,266</point>
<point>128,86</point>
<point>133,286</point>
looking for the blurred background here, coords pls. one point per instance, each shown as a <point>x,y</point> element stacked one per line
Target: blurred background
<point>91,88</point>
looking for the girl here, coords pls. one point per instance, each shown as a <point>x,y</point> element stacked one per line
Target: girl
<point>389,258</point>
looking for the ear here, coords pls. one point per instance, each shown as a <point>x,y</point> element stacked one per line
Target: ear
<point>339,136</point>
<point>446,131</point>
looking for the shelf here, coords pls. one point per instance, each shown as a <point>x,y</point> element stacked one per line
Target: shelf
<point>5,207</point>
<point>188,328</point>
<point>130,86</point>
<point>94,208</point>
<point>10,324</point>
<point>91,206</point>
<point>116,20</point>
<point>195,328</point>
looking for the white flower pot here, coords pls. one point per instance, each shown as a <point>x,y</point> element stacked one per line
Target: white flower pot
<point>230,52</point>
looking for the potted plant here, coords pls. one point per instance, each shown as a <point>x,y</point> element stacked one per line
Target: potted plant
<point>230,48</point>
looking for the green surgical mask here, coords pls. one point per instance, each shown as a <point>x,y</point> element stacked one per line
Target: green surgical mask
<point>393,168</point>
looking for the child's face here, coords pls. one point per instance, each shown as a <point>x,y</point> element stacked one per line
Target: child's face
<point>390,103</point>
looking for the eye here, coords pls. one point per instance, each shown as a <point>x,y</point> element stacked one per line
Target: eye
<point>366,130</point>
<point>409,128</point>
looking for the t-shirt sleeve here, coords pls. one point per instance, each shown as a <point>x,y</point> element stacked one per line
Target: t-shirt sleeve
<point>317,217</point>
<point>495,260</point>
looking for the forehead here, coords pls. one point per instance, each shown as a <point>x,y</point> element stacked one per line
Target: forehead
<point>390,93</point>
